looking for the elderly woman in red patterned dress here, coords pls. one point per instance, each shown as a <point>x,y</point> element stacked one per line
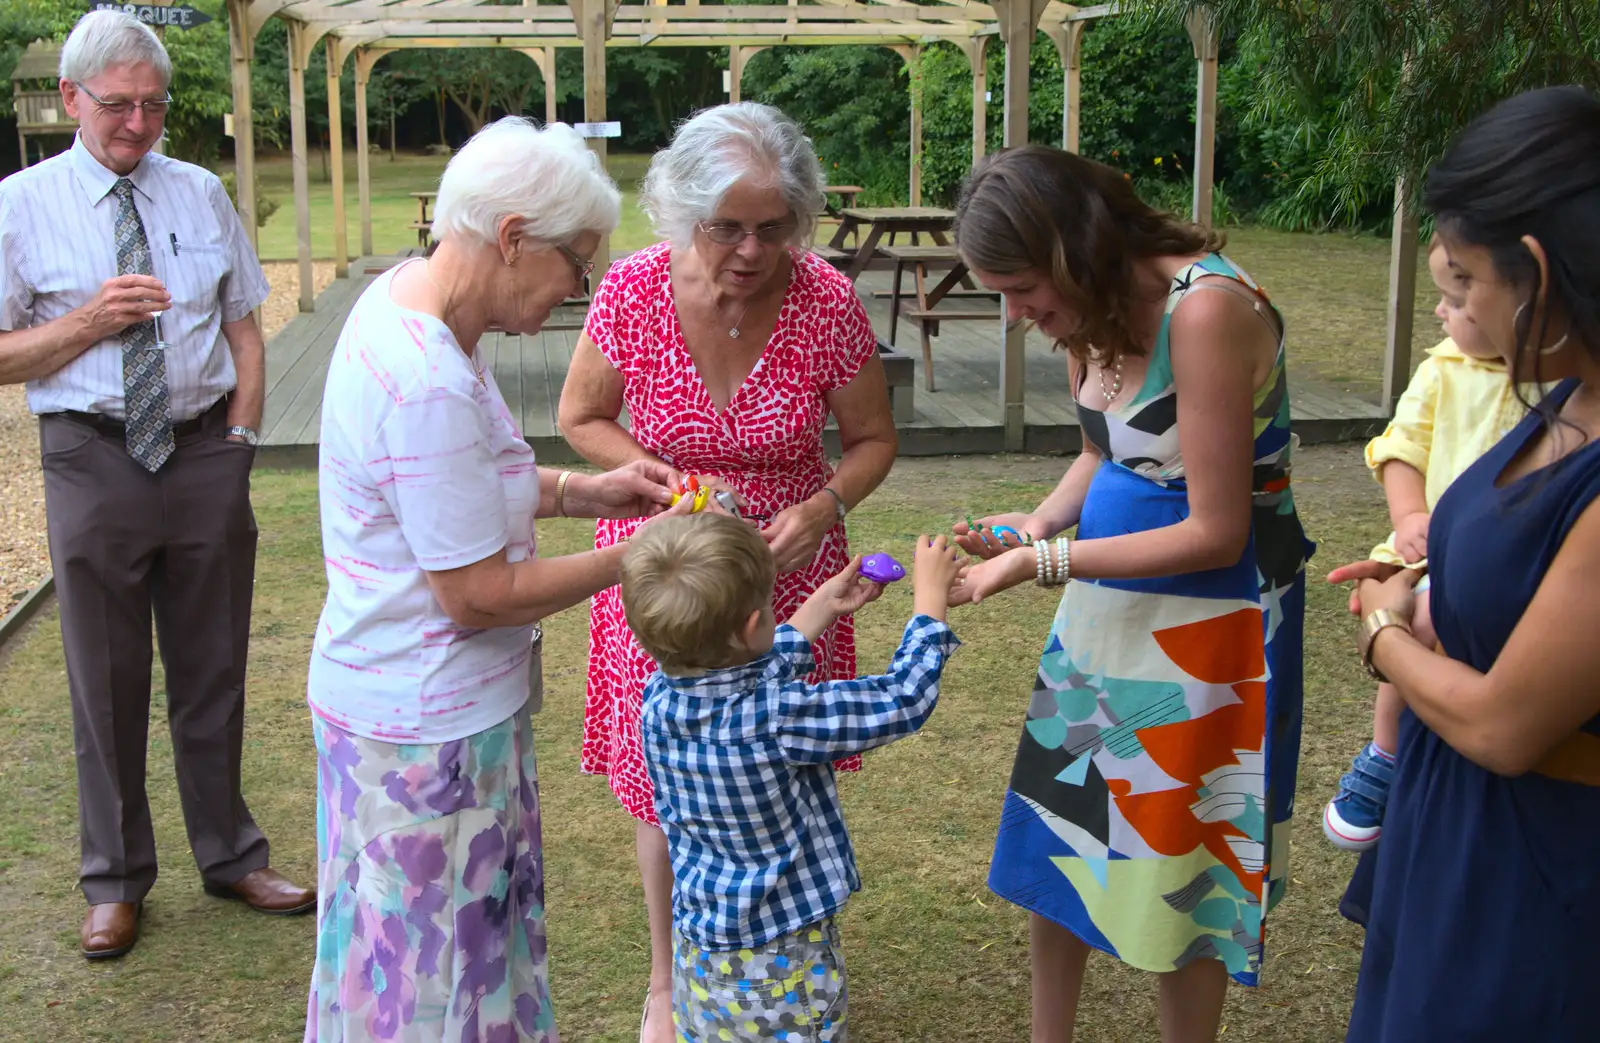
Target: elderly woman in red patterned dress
<point>729,344</point>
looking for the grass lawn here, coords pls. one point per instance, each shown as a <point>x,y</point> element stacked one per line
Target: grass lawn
<point>932,954</point>
<point>393,209</point>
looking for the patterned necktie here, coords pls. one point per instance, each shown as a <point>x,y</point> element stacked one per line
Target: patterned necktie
<point>144,365</point>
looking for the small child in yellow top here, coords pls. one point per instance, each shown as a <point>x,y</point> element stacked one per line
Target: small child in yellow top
<point>1457,406</point>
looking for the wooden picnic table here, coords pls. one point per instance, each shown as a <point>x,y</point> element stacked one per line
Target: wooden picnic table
<point>423,224</point>
<point>847,197</point>
<point>888,221</point>
<point>923,260</point>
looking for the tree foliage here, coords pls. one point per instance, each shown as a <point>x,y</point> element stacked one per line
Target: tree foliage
<point>1399,77</point>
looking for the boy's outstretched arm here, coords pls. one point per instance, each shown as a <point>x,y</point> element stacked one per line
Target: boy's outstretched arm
<point>823,722</point>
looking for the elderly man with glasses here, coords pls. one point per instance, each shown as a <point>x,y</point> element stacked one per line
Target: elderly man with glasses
<point>127,287</point>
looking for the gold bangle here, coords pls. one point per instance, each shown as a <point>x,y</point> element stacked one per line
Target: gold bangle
<point>1375,624</point>
<point>561,494</point>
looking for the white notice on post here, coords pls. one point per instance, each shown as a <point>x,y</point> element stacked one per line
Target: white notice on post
<point>599,130</point>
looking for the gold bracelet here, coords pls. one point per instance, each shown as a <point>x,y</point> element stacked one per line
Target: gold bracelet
<point>561,494</point>
<point>1375,624</point>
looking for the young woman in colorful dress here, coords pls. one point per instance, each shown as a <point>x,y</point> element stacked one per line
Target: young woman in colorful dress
<point>1148,809</point>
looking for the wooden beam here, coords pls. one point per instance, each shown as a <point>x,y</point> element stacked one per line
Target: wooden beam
<point>407,42</point>
<point>335,54</point>
<point>735,73</point>
<point>1203,34</point>
<point>259,11</point>
<point>241,53</point>
<point>721,33</point>
<point>545,59</point>
<point>1068,38</point>
<point>366,58</point>
<point>594,25</point>
<point>1018,21</point>
<point>978,61</point>
<point>299,50</point>
<point>912,56</point>
<point>1402,298</point>
<point>549,68</point>
<point>352,14</point>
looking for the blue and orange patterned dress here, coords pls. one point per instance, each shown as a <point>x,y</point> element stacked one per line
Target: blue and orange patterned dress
<point>1148,810</point>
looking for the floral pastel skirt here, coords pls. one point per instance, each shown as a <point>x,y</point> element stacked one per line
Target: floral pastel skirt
<point>430,922</point>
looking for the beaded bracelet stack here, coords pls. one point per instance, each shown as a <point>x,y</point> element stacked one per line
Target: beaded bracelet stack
<point>1053,559</point>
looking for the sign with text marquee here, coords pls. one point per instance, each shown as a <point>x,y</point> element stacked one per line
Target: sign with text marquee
<point>159,16</point>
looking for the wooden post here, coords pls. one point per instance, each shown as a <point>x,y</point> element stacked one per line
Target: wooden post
<point>1203,34</point>
<point>912,56</point>
<point>593,21</point>
<point>335,53</point>
<point>975,48</point>
<point>548,67</point>
<point>298,53</point>
<point>241,50</point>
<point>1068,38</point>
<point>366,58</point>
<point>545,59</point>
<point>1018,21</point>
<point>1402,298</point>
<point>738,58</point>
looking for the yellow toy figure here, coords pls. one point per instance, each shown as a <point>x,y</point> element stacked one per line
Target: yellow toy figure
<point>691,486</point>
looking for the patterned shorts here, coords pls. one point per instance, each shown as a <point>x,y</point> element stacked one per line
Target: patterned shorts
<point>791,989</point>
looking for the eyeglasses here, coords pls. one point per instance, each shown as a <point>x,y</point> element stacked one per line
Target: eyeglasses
<point>727,233</point>
<point>580,267</point>
<point>154,108</point>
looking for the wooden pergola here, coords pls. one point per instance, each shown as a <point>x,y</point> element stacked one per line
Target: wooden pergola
<point>370,29</point>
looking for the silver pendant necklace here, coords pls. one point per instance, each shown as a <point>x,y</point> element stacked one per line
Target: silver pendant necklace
<point>733,331</point>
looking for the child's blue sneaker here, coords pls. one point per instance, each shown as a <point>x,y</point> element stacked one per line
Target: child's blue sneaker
<point>1353,820</point>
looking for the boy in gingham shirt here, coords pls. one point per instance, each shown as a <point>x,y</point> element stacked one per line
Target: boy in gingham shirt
<point>740,751</point>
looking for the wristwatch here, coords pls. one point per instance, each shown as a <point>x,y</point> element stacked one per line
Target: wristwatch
<point>1371,627</point>
<point>247,434</point>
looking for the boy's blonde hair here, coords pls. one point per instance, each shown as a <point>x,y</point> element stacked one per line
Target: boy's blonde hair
<point>688,586</point>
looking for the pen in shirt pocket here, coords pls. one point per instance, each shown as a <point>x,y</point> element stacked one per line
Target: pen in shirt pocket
<point>174,237</point>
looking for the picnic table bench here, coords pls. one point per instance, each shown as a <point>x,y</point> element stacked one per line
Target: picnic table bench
<point>926,314</point>
<point>423,225</point>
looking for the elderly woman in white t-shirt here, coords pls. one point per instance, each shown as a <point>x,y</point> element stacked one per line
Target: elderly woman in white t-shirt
<point>426,660</point>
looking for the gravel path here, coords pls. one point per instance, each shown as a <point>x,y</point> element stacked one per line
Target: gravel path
<point>24,552</point>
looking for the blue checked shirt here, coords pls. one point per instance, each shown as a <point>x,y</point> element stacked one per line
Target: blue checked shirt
<point>742,764</point>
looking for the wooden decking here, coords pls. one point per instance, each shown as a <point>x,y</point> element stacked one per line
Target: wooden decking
<point>962,417</point>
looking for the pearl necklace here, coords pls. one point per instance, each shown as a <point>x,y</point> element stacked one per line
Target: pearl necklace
<point>1115,389</point>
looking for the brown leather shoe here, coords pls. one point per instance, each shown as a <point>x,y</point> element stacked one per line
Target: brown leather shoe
<point>267,891</point>
<point>109,929</point>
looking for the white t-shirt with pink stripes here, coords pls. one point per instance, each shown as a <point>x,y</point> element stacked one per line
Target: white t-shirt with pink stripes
<point>422,469</point>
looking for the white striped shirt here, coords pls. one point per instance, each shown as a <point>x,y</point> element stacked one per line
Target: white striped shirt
<point>58,245</point>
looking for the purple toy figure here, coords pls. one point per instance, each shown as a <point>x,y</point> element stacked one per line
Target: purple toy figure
<point>880,568</point>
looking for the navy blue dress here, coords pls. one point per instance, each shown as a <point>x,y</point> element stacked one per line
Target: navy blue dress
<point>1482,903</point>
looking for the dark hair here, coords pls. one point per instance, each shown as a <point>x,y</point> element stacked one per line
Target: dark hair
<point>1530,166</point>
<point>1082,224</point>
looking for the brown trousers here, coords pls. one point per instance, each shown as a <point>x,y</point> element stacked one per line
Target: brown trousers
<point>177,546</point>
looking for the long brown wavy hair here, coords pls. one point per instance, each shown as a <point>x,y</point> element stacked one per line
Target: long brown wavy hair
<point>1079,222</point>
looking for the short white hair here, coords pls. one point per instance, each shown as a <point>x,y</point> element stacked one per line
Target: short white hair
<point>105,38</point>
<point>714,150</point>
<point>546,177</point>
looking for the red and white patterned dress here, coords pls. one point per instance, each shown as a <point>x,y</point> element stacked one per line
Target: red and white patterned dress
<point>767,444</point>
